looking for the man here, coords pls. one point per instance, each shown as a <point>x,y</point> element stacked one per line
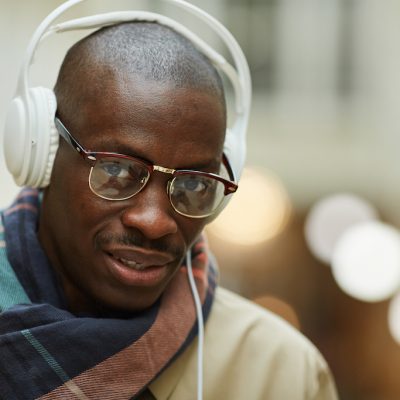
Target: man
<point>96,303</point>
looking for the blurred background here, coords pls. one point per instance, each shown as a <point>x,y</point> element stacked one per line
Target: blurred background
<point>312,233</point>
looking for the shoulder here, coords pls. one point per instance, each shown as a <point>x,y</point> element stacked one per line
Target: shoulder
<point>247,320</point>
<point>251,353</point>
<point>276,358</point>
<point>240,324</point>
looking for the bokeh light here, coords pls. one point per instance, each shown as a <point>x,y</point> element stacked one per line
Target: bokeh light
<point>330,217</point>
<point>279,307</point>
<point>258,211</point>
<point>394,317</point>
<point>366,261</point>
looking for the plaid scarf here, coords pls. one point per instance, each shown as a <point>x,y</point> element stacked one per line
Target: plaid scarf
<point>49,353</point>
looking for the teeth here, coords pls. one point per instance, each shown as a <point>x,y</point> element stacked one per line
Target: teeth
<point>132,264</point>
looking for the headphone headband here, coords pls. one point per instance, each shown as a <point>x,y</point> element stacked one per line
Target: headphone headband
<point>102,20</point>
<point>240,80</point>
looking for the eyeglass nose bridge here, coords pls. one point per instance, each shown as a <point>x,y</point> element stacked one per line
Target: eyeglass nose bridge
<point>163,169</point>
<point>169,171</point>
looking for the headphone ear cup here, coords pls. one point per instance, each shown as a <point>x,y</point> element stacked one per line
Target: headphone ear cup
<point>43,155</point>
<point>16,135</point>
<point>53,147</point>
<point>30,127</point>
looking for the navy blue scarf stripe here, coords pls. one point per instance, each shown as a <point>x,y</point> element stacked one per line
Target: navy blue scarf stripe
<point>26,255</point>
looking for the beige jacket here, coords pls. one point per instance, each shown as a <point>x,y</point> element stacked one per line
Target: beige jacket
<point>249,354</point>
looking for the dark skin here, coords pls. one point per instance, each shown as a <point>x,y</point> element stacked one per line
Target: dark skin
<point>171,127</point>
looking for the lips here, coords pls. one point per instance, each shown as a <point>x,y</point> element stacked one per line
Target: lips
<point>132,264</point>
<point>137,267</point>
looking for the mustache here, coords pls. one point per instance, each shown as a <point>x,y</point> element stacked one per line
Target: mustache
<point>137,240</point>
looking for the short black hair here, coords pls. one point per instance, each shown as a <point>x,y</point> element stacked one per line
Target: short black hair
<point>149,50</point>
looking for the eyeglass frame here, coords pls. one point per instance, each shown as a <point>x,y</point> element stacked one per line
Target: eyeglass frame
<point>92,157</point>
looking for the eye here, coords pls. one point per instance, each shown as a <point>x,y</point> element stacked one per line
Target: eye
<point>115,169</point>
<point>193,185</point>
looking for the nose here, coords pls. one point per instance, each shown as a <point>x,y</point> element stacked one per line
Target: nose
<point>150,212</point>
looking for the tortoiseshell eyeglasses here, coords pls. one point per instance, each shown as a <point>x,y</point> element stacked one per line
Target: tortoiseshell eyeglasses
<point>113,176</point>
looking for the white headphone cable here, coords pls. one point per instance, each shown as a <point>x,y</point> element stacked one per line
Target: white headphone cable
<point>200,324</point>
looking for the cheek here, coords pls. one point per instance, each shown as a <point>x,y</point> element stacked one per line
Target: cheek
<point>69,174</point>
<point>69,192</point>
<point>191,229</point>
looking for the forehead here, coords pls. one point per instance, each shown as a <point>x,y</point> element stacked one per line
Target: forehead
<point>154,120</point>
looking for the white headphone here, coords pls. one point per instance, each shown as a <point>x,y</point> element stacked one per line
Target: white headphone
<point>30,119</point>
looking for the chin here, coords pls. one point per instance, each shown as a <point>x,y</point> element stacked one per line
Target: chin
<point>136,301</point>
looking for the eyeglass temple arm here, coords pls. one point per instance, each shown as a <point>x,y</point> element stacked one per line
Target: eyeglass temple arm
<point>227,164</point>
<point>64,133</point>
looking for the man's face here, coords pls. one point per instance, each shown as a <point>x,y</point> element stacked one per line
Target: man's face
<point>96,244</point>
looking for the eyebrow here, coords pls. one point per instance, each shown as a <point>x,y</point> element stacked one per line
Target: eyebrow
<point>120,148</point>
<point>204,166</point>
